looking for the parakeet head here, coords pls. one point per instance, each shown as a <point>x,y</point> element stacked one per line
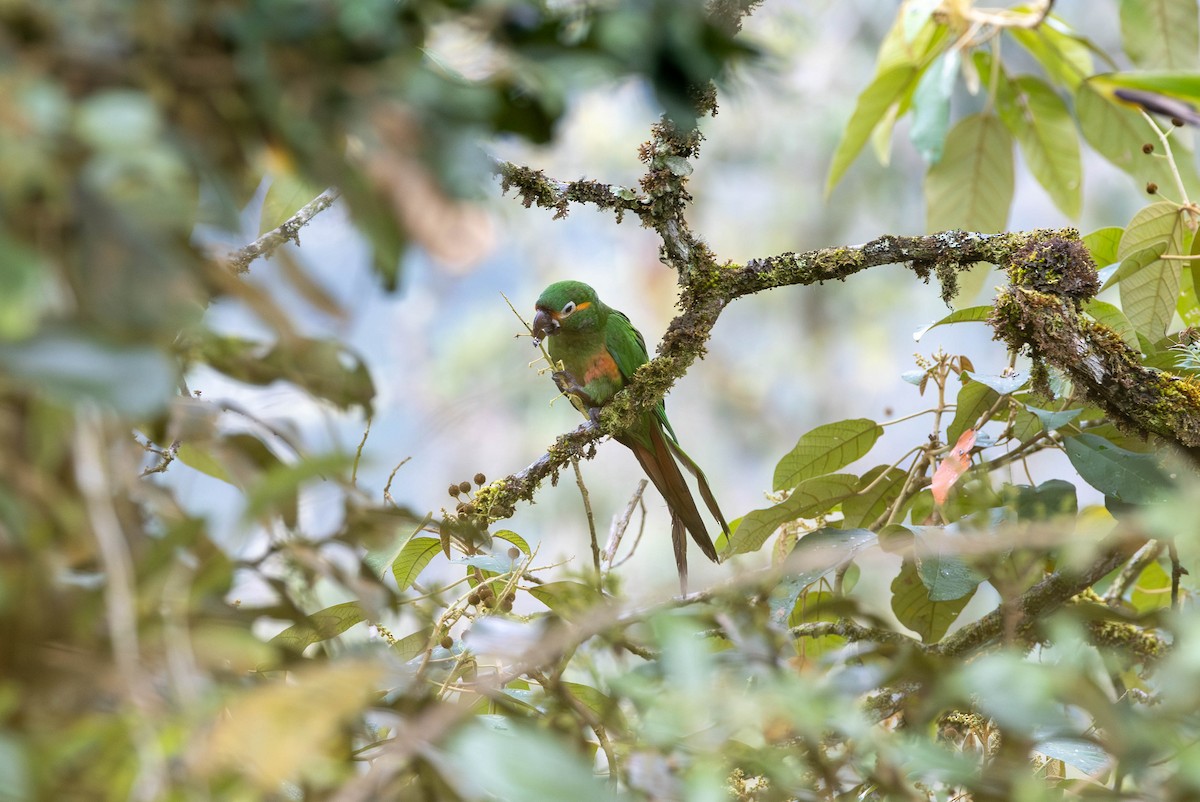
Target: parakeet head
<point>564,307</point>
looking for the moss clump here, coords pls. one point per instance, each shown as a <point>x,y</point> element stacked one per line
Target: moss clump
<point>1058,265</point>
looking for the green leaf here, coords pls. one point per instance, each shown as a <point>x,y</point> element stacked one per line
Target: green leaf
<point>1117,133</point>
<point>321,625</point>
<point>1054,420</point>
<point>513,538</point>
<point>1049,501</point>
<point>864,507</point>
<point>569,599</point>
<point>1160,222</point>
<point>1044,129</point>
<point>915,609</point>
<point>970,314</point>
<point>945,575</point>
<point>1152,591</point>
<point>1161,34</point>
<point>603,705</point>
<point>1083,755</point>
<point>971,188</point>
<point>826,449</point>
<point>325,367</point>
<point>1135,263</point>
<point>1102,245</point>
<point>814,556</point>
<point>808,610</point>
<point>515,762</point>
<point>413,558</point>
<point>974,399</point>
<point>375,528</point>
<point>873,103</point>
<point>1109,315</point>
<point>931,106</point>
<point>133,381</point>
<point>1124,475</point>
<point>1148,297</point>
<point>1065,57</point>
<point>198,456</point>
<point>412,645</point>
<point>1183,86</point>
<point>810,498</point>
<point>23,288</point>
<point>1004,385</point>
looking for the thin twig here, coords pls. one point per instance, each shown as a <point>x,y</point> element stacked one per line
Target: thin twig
<point>621,523</point>
<point>289,231</point>
<point>587,508</point>
<point>1132,570</point>
<point>358,455</point>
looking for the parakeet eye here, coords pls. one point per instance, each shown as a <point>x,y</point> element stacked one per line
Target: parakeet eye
<point>569,308</point>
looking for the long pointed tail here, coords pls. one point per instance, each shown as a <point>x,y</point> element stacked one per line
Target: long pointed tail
<point>659,463</point>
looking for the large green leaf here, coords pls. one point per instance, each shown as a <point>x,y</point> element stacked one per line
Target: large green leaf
<point>413,558</point>
<point>1102,244</point>
<point>1066,57</point>
<point>1157,223</point>
<point>810,498</point>
<point>814,556</point>
<point>974,399</point>
<point>915,609</point>
<point>510,761</point>
<point>1161,34</point>
<point>971,188</point>
<point>826,449</point>
<point>881,486</point>
<point>321,625</point>
<point>1148,297</point>
<point>568,598</point>
<point>970,314</point>
<point>1124,475</point>
<point>324,367</point>
<point>413,644</point>
<point>885,90</point>
<point>943,572</point>
<point>133,380</point>
<point>1038,118</point>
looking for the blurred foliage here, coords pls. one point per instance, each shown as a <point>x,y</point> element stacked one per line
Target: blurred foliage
<point>1005,642</point>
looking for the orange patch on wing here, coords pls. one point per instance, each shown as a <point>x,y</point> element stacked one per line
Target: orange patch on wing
<point>602,366</point>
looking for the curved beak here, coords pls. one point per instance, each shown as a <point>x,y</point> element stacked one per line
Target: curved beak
<point>544,324</point>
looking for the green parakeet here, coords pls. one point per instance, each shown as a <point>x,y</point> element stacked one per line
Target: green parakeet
<point>599,350</point>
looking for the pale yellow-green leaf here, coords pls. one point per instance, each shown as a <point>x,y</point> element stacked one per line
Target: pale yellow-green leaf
<point>872,107</point>
<point>1046,133</point>
<point>1158,222</point>
<point>279,731</point>
<point>1148,298</point>
<point>1065,57</point>
<point>1161,34</point>
<point>1102,244</point>
<point>971,188</point>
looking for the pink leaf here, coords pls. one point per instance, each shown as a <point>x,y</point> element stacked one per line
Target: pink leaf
<point>953,466</point>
